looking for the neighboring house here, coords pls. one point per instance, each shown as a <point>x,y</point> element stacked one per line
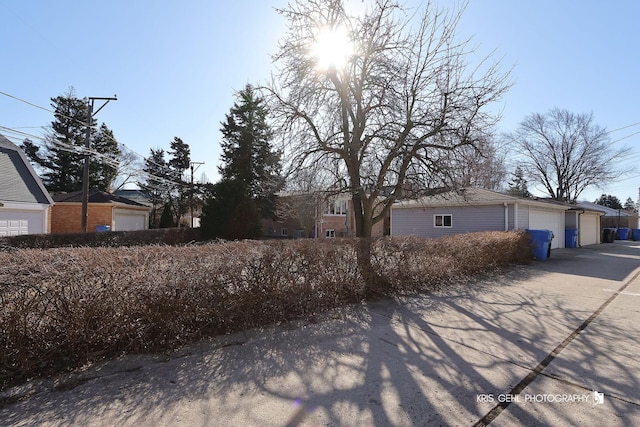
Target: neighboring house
<point>24,201</point>
<point>613,218</point>
<point>139,196</point>
<point>473,210</point>
<point>143,197</point>
<point>319,214</point>
<point>103,210</point>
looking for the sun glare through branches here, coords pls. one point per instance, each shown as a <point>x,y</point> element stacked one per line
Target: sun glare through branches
<point>332,48</point>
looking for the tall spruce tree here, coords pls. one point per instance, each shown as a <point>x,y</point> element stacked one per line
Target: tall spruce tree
<point>178,163</point>
<point>62,159</point>
<point>155,183</point>
<point>250,172</point>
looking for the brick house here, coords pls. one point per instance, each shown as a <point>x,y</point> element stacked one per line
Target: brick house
<point>321,215</point>
<point>104,211</point>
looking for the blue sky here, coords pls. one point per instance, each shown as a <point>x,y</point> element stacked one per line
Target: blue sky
<point>175,65</point>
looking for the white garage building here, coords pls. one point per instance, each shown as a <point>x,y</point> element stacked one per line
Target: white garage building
<point>24,201</point>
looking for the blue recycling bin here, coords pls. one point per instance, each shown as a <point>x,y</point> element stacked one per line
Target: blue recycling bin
<point>541,240</point>
<point>103,228</point>
<point>571,238</point>
<point>623,233</point>
<point>635,233</point>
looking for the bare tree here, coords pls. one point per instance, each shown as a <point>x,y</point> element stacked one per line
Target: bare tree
<point>128,171</point>
<point>379,100</point>
<point>566,153</point>
<point>480,166</point>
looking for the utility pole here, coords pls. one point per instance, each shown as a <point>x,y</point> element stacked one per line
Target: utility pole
<point>191,164</point>
<point>87,156</point>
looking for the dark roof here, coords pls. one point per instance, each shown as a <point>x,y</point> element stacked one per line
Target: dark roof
<point>95,196</point>
<point>139,196</point>
<point>18,180</point>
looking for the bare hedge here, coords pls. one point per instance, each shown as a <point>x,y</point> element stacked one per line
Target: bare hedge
<point>165,236</point>
<point>62,308</point>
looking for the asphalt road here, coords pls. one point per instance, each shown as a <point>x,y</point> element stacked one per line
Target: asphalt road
<point>554,343</point>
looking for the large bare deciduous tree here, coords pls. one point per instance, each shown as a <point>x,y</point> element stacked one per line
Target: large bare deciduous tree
<point>566,153</point>
<point>380,99</point>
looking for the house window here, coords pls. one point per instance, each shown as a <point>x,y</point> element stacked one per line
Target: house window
<point>284,231</point>
<point>330,234</point>
<point>442,221</point>
<point>337,207</point>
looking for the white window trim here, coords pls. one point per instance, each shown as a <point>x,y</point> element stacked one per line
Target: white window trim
<point>443,221</point>
<point>336,206</point>
<point>330,233</point>
<point>284,231</point>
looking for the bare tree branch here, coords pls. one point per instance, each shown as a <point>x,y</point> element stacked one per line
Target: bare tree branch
<point>395,114</point>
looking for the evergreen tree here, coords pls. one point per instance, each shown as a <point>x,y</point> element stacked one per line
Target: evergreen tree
<point>518,185</point>
<point>166,219</point>
<point>629,205</point>
<point>155,183</point>
<point>250,172</point>
<point>178,163</point>
<point>229,214</point>
<point>609,201</point>
<point>165,182</point>
<point>62,159</point>
<point>103,170</point>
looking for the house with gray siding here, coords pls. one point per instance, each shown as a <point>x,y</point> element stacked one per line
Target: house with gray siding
<point>472,210</point>
<point>24,201</point>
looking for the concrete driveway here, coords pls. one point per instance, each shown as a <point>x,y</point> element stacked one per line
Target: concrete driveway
<point>554,343</point>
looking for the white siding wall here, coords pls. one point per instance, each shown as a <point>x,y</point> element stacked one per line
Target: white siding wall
<point>523,216</point>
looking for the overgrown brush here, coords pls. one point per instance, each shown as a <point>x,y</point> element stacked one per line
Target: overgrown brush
<point>62,308</point>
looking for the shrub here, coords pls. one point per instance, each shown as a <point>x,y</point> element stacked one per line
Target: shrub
<point>167,236</point>
<point>61,308</point>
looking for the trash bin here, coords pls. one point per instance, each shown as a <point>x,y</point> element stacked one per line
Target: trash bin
<point>623,233</point>
<point>608,235</point>
<point>571,238</point>
<point>541,241</point>
<point>103,228</point>
<point>635,233</point>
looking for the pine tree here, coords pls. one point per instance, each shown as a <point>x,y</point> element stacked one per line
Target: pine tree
<point>250,172</point>
<point>103,170</point>
<point>62,158</point>
<point>155,183</point>
<point>609,201</point>
<point>178,163</point>
<point>629,205</point>
<point>518,185</point>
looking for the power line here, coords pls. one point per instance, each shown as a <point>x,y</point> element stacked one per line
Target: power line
<point>624,127</point>
<point>105,159</point>
<point>165,167</point>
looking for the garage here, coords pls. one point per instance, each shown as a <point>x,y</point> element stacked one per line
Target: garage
<point>549,220</point>
<point>11,227</point>
<point>130,220</point>
<point>24,201</point>
<point>589,229</point>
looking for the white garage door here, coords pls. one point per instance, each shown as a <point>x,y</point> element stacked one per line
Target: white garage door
<point>589,230</point>
<point>14,227</point>
<point>129,222</point>
<point>549,220</point>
